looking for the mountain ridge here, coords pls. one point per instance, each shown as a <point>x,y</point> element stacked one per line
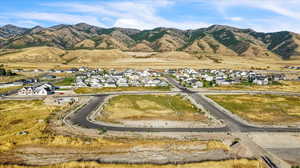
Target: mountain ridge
<point>215,39</point>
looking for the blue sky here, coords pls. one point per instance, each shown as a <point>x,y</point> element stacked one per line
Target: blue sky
<point>260,15</point>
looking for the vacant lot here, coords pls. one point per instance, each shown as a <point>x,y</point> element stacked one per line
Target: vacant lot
<point>119,89</point>
<point>262,109</point>
<point>5,90</point>
<point>27,116</point>
<point>26,122</point>
<point>287,86</point>
<point>24,131</point>
<point>151,107</point>
<point>242,163</point>
<point>66,82</point>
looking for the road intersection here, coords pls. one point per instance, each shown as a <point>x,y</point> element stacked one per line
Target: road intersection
<point>81,117</point>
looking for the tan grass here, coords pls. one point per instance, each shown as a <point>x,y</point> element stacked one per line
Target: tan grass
<point>151,107</point>
<point>287,86</point>
<point>5,90</point>
<point>53,57</point>
<point>241,163</point>
<point>262,109</point>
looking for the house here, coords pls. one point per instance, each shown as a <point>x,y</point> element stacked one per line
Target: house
<point>197,84</point>
<point>122,82</point>
<point>39,90</point>
<point>83,69</point>
<point>96,85</point>
<point>261,81</point>
<point>163,84</point>
<point>223,82</point>
<point>110,84</point>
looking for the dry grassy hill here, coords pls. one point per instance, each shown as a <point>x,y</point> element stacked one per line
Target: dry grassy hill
<point>39,57</point>
<point>34,55</point>
<point>216,39</point>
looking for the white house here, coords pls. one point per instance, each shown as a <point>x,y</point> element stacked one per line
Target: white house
<point>39,90</point>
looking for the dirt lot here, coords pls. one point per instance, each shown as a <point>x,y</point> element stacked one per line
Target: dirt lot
<point>150,107</point>
<point>262,109</point>
<point>284,145</point>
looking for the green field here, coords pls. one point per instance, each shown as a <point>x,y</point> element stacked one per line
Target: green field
<point>66,82</point>
<point>262,109</point>
<point>151,107</point>
<point>87,90</point>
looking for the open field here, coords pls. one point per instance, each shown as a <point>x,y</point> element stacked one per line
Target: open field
<point>17,116</point>
<point>262,109</point>
<point>241,163</point>
<point>48,57</point>
<point>68,81</point>
<point>5,90</point>
<point>118,89</point>
<point>150,107</point>
<point>31,117</point>
<point>4,79</point>
<point>24,75</point>
<point>24,131</point>
<point>286,86</point>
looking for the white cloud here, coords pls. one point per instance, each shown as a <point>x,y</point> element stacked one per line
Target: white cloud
<point>286,14</point>
<point>59,18</point>
<point>282,7</point>
<point>235,18</point>
<point>141,14</point>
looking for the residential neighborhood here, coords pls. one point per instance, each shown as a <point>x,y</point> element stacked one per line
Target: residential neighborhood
<point>212,77</point>
<point>112,78</point>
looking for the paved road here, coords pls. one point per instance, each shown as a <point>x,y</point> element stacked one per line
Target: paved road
<point>233,124</point>
<point>80,118</point>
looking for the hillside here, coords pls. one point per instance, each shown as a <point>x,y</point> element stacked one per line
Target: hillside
<point>216,39</point>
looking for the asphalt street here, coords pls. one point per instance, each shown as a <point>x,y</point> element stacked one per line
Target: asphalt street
<point>80,117</point>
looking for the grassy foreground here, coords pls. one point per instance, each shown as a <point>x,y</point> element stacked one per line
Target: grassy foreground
<point>119,89</point>
<point>262,109</point>
<point>24,126</point>
<point>148,107</point>
<point>32,117</point>
<point>242,163</point>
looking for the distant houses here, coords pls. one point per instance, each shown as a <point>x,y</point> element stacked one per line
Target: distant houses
<point>128,78</point>
<point>212,77</point>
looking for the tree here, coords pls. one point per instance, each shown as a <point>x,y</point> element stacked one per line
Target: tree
<point>10,73</point>
<point>2,72</point>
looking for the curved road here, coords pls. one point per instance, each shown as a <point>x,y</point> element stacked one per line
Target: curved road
<point>80,118</point>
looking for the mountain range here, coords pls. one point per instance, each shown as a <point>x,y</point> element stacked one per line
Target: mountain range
<point>216,39</point>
